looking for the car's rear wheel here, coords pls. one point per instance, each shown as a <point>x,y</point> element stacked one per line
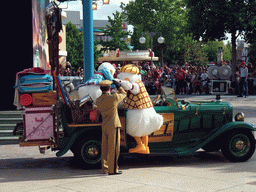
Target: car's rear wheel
<point>88,152</point>
<point>239,146</point>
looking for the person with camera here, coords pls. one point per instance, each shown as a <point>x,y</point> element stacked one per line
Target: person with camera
<point>243,86</point>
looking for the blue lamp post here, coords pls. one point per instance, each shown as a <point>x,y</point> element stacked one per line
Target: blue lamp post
<point>88,39</point>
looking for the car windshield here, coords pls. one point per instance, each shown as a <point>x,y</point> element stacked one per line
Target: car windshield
<point>169,94</point>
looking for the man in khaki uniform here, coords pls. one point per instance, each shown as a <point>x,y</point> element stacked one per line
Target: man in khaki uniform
<point>107,105</point>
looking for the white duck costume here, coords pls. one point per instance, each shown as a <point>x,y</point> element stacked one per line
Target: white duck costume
<point>142,118</point>
<point>91,87</point>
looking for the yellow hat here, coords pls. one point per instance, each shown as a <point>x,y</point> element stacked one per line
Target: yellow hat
<point>130,68</point>
<point>105,83</point>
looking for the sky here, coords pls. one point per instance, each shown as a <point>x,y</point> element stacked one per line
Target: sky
<point>101,13</point>
<point>104,11</point>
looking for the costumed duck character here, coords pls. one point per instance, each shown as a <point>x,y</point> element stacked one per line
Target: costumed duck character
<point>91,87</point>
<point>142,118</point>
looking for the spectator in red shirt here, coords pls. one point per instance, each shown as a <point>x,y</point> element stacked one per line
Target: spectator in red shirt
<point>181,83</point>
<point>156,73</point>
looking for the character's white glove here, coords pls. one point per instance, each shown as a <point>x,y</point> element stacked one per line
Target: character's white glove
<point>133,87</point>
<point>126,85</point>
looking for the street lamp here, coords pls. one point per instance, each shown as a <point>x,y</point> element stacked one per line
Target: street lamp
<point>94,4</point>
<point>88,35</point>
<point>160,40</point>
<point>142,40</point>
<point>105,1</point>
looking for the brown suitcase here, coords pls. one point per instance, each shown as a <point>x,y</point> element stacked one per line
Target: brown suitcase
<point>43,99</point>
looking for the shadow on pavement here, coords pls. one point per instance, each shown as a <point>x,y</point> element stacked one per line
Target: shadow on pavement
<point>215,161</point>
<point>29,169</point>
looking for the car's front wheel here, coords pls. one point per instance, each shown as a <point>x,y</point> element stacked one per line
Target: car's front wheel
<point>239,146</point>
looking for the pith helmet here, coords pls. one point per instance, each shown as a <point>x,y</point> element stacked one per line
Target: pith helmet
<point>105,83</point>
<point>130,68</point>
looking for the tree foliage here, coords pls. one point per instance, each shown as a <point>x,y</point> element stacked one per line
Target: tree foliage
<point>164,17</point>
<point>195,54</point>
<point>211,48</point>
<point>74,45</point>
<point>115,31</point>
<point>250,35</point>
<point>210,20</point>
<point>97,53</point>
<point>252,54</point>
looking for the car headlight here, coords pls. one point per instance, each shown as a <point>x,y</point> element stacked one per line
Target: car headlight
<point>239,116</point>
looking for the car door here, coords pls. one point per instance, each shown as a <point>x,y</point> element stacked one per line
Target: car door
<point>174,131</point>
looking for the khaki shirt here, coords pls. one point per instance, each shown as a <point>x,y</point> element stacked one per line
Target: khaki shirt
<point>107,105</point>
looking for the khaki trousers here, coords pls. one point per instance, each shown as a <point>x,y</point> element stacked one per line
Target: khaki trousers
<point>110,150</point>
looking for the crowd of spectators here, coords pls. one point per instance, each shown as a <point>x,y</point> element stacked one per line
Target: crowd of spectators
<point>186,79</point>
<point>68,71</point>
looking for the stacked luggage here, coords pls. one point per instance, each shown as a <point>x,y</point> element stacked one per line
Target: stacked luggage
<point>34,94</point>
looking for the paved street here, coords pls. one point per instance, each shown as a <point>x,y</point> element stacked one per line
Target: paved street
<point>24,169</point>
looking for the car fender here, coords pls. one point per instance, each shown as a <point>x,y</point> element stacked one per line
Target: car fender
<point>66,143</point>
<point>236,125</point>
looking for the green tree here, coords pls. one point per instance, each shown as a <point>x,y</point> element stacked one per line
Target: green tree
<point>97,53</point>
<point>252,54</point>
<point>251,38</point>
<point>165,17</point>
<point>74,46</point>
<point>195,54</point>
<point>211,48</point>
<point>229,48</point>
<point>227,54</point>
<point>115,31</point>
<point>210,20</point>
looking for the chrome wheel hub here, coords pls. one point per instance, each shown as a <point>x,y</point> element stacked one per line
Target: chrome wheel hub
<point>240,145</point>
<point>93,151</point>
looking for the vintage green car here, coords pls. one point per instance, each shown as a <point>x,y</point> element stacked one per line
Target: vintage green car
<point>188,126</point>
